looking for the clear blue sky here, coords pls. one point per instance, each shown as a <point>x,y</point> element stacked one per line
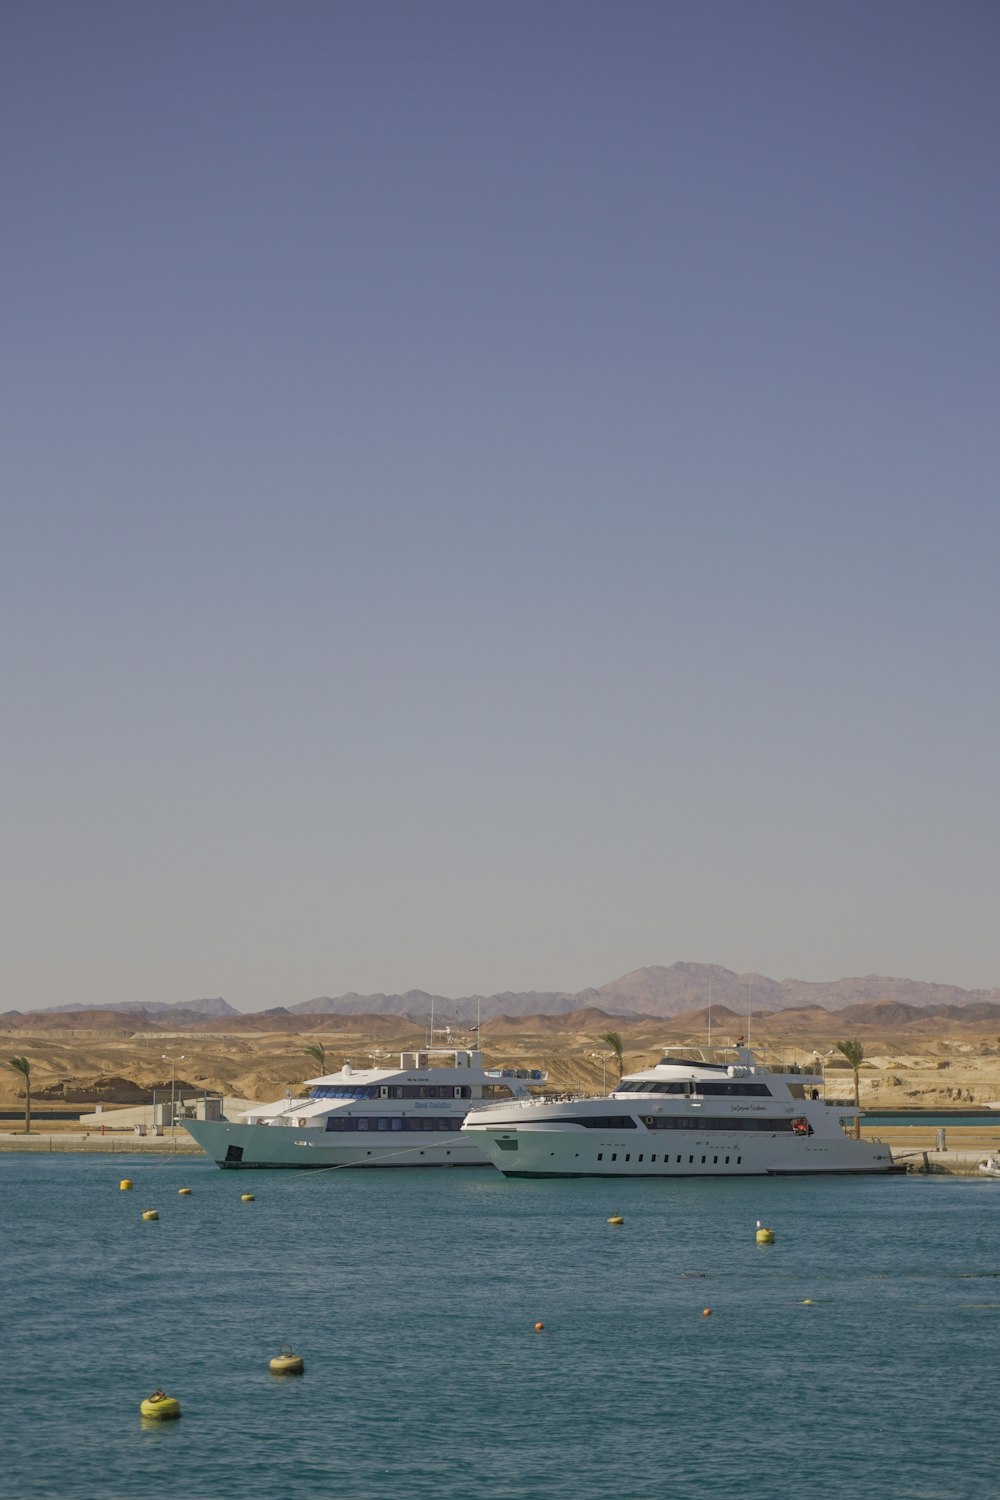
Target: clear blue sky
<point>496,495</point>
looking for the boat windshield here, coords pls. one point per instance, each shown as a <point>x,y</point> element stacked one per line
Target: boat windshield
<point>344,1091</point>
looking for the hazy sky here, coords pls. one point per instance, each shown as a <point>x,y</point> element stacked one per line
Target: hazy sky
<point>497,494</point>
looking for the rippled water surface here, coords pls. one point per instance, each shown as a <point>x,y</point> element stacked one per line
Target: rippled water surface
<point>413,1297</point>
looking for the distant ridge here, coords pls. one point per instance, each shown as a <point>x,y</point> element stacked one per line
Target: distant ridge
<point>660,990</point>
<point>152,1009</point>
<point>648,993</point>
<point>870,1016</point>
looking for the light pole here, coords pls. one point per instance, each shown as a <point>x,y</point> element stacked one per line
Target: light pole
<point>173,1061</point>
<point>604,1065</point>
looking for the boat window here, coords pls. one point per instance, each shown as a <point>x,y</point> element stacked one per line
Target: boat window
<point>715,1122</point>
<point>714,1086</point>
<point>652,1086</point>
<point>343,1091</point>
<point>601,1122</point>
<point>394,1122</point>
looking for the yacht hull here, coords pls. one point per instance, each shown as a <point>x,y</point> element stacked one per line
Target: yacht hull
<point>539,1152</point>
<point>245,1147</point>
<point>724,1113</point>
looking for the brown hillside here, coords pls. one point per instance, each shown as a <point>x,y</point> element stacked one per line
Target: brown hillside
<point>77,1020</point>
<point>926,1059</point>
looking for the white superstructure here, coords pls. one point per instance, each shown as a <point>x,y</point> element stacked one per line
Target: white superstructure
<point>696,1113</point>
<point>410,1116</point>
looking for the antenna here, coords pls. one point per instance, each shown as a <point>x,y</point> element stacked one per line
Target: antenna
<point>430,1034</point>
<point>749,993</point>
<point>709,1012</point>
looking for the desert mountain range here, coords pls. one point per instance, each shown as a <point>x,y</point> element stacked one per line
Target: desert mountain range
<point>930,1044</point>
<point>644,994</point>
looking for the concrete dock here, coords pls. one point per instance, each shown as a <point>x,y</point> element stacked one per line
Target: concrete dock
<point>952,1163</point>
<point>123,1143</point>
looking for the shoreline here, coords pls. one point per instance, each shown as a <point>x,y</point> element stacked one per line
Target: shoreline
<point>920,1157</point>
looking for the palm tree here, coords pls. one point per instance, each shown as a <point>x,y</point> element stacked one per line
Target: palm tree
<point>613,1040</point>
<point>855,1054</point>
<point>22,1065</point>
<point>318,1051</point>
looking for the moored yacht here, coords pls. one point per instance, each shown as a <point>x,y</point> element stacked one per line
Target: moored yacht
<point>410,1116</point>
<point>696,1113</point>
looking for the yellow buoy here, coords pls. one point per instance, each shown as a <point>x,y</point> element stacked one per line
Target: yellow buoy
<point>125,1185</point>
<point>246,1197</point>
<point>764,1236</point>
<point>286,1363</point>
<point>617,1219</point>
<point>183,1192</point>
<point>150,1213</point>
<point>160,1406</point>
<point>539,1327</point>
<point>808,1302</point>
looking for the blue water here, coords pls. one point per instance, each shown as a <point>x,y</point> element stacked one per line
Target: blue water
<point>412,1297</point>
<point>976,1117</point>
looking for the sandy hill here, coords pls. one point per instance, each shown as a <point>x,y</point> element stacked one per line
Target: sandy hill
<point>77,1020</point>
<point>913,1058</point>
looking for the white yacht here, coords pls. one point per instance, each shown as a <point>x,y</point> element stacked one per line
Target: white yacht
<point>697,1113</point>
<point>410,1116</point>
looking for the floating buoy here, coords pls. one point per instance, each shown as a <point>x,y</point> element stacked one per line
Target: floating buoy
<point>150,1213</point>
<point>539,1327</point>
<point>617,1219</point>
<point>808,1302</point>
<point>125,1185</point>
<point>160,1406</point>
<point>183,1192</point>
<point>287,1363</point>
<point>246,1197</point>
<point>706,1312</point>
<point>764,1236</point>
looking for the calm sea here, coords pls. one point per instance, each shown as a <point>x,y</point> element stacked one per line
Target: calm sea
<point>412,1297</point>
